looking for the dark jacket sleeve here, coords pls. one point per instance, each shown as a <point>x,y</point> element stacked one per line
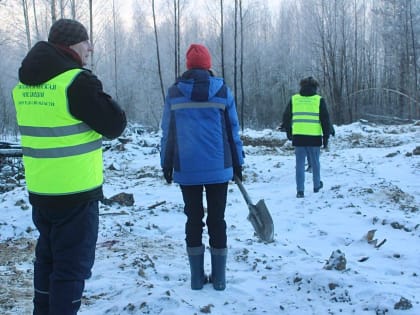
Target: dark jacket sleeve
<point>232,127</point>
<point>287,120</point>
<point>325,120</point>
<point>89,103</point>
<point>167,142</point>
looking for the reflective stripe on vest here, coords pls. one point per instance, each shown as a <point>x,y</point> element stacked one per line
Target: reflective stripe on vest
<point>305,115</point>
<point>61,154</point>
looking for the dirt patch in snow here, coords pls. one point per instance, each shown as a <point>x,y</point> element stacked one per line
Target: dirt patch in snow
<point>16,274</point>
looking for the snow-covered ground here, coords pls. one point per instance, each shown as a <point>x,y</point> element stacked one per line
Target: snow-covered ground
<point>367,213</point>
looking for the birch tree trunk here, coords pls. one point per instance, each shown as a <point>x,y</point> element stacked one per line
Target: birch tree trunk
<point>38,37</point>
<point>73,8</point>
<point>157,51</point>
<point>222,44</point>
<point>235,59</point>
<point>115,50</point>
<point>178,42</point>
<point>92,63</point>
<point>414,112</point>
<point>27,28</point>
<point>53,12</point>
<point>61,8</point>
<point>242,65</point>
<point>177,55</point>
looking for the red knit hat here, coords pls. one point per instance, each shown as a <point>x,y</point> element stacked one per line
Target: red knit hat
<point>198,56</point>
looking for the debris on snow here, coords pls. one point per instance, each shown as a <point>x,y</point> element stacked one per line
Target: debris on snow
<point>122,199</point>
<point>403,304</point>
<point>336,261</point>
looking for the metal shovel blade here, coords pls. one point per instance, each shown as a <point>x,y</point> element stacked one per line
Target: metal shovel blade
<point>261,220</point>
<point>259,216</point>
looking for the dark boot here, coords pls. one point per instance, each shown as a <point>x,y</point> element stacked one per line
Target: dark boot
<point>196,258</point>
<point>321,184</point>
<point>218,268</point>
<point>300,194</point>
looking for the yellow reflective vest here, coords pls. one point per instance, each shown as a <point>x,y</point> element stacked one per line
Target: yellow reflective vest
<point>61,154</point>
<point>305,115</point>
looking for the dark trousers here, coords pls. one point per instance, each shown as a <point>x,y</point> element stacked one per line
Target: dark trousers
<point>216,195</point>
<point>64,256</point>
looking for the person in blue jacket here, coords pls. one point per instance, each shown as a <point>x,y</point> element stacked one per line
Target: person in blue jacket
<point>201,151</point>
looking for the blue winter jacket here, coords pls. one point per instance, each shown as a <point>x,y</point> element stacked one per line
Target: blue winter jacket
<point>200,130</point>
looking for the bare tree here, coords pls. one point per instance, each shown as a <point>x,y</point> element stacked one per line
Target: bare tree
<point>53,11</point>
<point>62,8</point>
<point>177,38</point>
<point>365,53</point>
<point>414,46</point>
<point>73,8</point>
<point>92,64</point>
<point>222,45</point>
<point>241,17</point>
<point>35,20</point>
<point>27,28</point>
<point>332,30</point>
<point>235,50</point>
<point>157,51</point>
<point>114,17</point>
<point>400,50</point>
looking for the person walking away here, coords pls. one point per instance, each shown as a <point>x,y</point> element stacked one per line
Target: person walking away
<point>63,113</point>
<point>201,150</point>
<point>307,123</point>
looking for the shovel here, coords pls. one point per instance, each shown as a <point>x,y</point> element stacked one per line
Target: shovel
<point>258,215</point>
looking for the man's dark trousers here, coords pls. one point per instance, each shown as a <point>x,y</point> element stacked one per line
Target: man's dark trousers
<point>64,256</point>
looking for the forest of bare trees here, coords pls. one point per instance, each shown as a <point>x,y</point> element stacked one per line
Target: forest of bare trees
<point>364,53</point>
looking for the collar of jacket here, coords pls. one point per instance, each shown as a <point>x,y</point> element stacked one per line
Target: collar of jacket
<point>307,91</point>
<point>196,74</point>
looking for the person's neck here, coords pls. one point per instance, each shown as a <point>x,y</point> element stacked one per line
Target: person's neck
<point>70,52</point>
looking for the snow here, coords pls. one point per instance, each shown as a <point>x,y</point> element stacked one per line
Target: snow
<point>367,215</point>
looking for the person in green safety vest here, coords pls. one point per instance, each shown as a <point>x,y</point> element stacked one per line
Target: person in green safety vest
<point>63,113</point>
<point>307,123</point>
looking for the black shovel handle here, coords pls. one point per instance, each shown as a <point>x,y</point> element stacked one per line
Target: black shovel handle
<point>243,191</point>
<point>259,216</point>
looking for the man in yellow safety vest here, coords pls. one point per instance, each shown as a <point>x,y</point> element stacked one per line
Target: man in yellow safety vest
<point>62,113</point>
<point>307,123</point>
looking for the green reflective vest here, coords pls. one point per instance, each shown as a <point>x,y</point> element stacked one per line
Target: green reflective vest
<point>305,115</point>
<point>61,154</point>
